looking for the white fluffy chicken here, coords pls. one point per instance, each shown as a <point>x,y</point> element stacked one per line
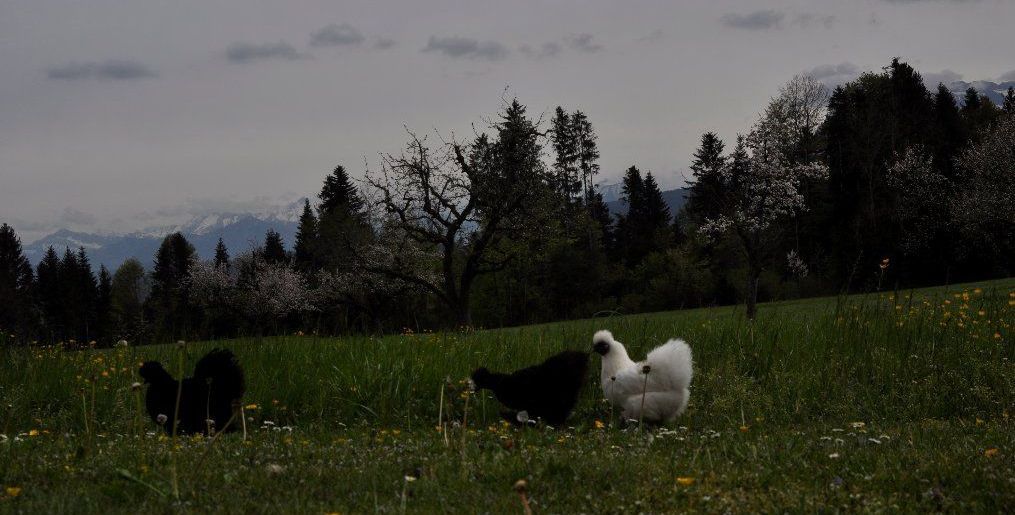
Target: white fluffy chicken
<point>654,390</point>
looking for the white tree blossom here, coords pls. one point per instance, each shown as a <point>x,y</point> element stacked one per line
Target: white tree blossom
<point>984,208</point>
<point>922,197</point>
<point>763,180</point>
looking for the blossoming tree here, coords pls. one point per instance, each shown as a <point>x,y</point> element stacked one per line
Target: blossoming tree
<point>761,183</point>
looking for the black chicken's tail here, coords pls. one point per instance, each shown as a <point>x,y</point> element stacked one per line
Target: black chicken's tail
<point>222,371</point>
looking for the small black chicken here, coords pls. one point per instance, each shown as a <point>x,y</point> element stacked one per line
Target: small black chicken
<point>548,390</point>
<point>207,399</point>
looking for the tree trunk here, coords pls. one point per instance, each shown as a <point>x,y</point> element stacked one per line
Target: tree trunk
<point>463,313</point>
<point>753,278</point>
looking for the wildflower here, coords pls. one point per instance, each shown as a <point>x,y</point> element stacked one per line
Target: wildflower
<point>274,468</point>
<point>990,453</point>
<point>884,264</point>
<point>523,416</point>
<point>521,486</point>
<point>161,419</point>
<point>599,424</point>
<point>135,386</point>
<point>857,425</point>
<point>685,481</point>
<point>13,491</point>
<point>743,429</point>
<point>409,479</point>
<point>33,432</point>
<point>834,455</point>
<point>121,343</point>
<point>250,406</point>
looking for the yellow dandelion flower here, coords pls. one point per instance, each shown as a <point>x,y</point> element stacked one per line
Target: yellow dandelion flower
<point>13,491</point>
<point>685,481</point>
<point>599,424</point>
<point>250,406</point>
<point>990,453</point>
<point>33,432</point>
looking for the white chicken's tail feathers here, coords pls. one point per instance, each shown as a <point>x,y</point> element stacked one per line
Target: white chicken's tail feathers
<point>672,363</point>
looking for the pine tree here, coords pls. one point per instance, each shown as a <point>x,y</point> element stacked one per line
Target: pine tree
<point>221,255</point>
<point>128,293</point>
<point>50,293</point>
<point>88,288</point>
<point>103,306</point>
<point>706,191</point>
<point>951,131</point>
<point>339,196</point>
<point>274,248</point>
<point>971,101</point>
<point>656,212</point>
<point>587,151</point>
<point>341,221</point>
<point>16,284</point>
<point>979,112</point>
<point>306,240</point>
<point>565,148</point>
<point>646,226</point>
<point>1009,101</point>
<point>169,301</point>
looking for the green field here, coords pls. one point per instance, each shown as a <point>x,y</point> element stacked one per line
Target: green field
<point>886,402</point>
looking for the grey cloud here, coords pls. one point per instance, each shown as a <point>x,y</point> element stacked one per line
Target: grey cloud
<point>73,216</point>
<point>249,52</point>
<point>655,35</point>
<point>929,1</point>
<point>757,20</point>
<point>106,70</point>
<point>337,35</point>
<point>944,76</point>
<point>809,19</point>
<point>548,49</point>
<point>1010,76</point>
<point>384,43</point>
<point>583,43</point>
<point>832,75</point>
<point>466,48</point>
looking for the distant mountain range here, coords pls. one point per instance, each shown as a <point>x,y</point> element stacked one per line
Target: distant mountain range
<point>239,231</point>
<point>995,91</point>
<point>675,199</point>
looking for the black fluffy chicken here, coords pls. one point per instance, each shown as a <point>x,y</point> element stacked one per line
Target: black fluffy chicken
<point>207,400</point>
<point>546,391</point>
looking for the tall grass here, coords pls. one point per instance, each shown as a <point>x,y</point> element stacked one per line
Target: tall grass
<point>936,353</point>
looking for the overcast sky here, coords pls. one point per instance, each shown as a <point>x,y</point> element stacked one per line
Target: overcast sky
<point>116,115</point>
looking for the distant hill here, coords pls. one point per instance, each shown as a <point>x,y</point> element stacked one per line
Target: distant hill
<point>675,199</point>
<point>239,231</point>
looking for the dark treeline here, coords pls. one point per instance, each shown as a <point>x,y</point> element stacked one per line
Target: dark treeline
<point>878,184</point>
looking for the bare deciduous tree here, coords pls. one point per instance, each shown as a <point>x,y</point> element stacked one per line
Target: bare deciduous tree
<point>446,209</point>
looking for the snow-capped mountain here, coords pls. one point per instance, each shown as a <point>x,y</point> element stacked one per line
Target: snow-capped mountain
<point>239,231</point>
<point>995,91</point>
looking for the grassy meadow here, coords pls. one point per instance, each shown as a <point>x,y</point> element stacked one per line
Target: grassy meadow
<point>884,402</point>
